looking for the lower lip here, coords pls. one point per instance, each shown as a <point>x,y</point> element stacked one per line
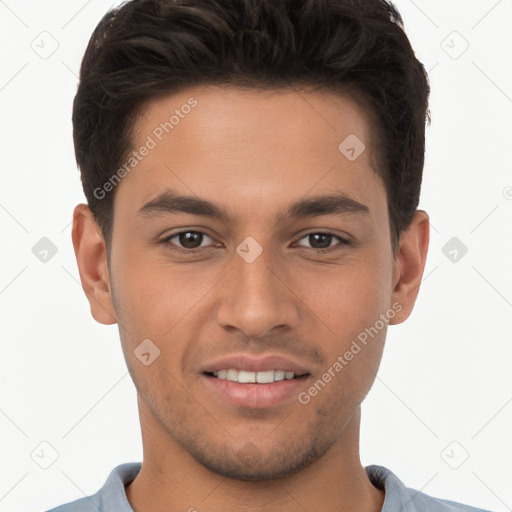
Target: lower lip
<point>255,396</point>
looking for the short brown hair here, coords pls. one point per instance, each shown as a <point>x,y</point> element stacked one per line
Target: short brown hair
<point>145,48</point>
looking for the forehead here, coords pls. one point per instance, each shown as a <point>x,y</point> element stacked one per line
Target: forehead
<point>251,144</point>
<point>245,119</point>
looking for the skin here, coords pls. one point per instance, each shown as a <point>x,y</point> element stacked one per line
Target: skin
<point>253,153</point>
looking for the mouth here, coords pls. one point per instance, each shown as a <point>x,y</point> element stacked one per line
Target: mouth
<point>263,377</point>
<point>254,390</point>
<point>247,381</point>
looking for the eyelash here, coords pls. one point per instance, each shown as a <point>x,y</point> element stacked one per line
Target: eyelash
<point>167,241</point>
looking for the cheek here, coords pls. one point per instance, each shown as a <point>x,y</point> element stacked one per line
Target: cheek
<point>164,303</point>
<point>154,294</point>
<point>347,302</point>
<point>346,298</point>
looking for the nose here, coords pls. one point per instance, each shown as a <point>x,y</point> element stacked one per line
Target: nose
<point>256,298</point>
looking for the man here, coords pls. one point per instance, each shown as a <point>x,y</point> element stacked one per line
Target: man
<point>252,170</point>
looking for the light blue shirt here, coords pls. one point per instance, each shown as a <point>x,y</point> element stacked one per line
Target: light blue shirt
<point>112,496</point>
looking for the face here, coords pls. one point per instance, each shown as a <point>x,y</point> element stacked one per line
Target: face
<point>288,268</point>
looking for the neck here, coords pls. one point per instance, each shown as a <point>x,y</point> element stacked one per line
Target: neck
<point>171,479</point>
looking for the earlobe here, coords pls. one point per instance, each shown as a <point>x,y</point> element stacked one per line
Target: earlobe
<point>410,264</point>
<point>91,257</point>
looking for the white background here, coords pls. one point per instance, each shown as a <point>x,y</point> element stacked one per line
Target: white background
<point>445,375</point>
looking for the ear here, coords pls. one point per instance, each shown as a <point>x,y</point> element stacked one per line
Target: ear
<point>410,263</point>
<point>91,256</point>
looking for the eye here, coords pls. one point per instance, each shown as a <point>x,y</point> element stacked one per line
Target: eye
<point>187,241</point>
<point>190,241</point>
<point>321,241</point>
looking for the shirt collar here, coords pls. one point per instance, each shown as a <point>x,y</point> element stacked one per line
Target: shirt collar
<point>113,494</point>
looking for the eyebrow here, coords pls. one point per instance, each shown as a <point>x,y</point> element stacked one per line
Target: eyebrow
<point>173,202</point>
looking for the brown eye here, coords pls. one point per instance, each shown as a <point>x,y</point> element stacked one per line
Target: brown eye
<point>187,240</point>
<point>190,239</point>
<point>322,241</point>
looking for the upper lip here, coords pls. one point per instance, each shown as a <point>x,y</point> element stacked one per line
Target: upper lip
<point>255,364</point>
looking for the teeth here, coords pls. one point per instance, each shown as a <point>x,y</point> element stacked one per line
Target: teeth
<point>252,377</point>
<point>246,376</point>
<point>279,375</point>
<point>231,375</point>
<point>265,377</point>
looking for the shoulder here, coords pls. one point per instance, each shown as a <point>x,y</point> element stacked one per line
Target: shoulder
<point>423,502</point>
<point>111,497</point>
<point>400,497</point>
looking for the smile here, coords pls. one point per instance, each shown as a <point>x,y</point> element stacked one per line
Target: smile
<point>242,390</point>
<point>246,377</point>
